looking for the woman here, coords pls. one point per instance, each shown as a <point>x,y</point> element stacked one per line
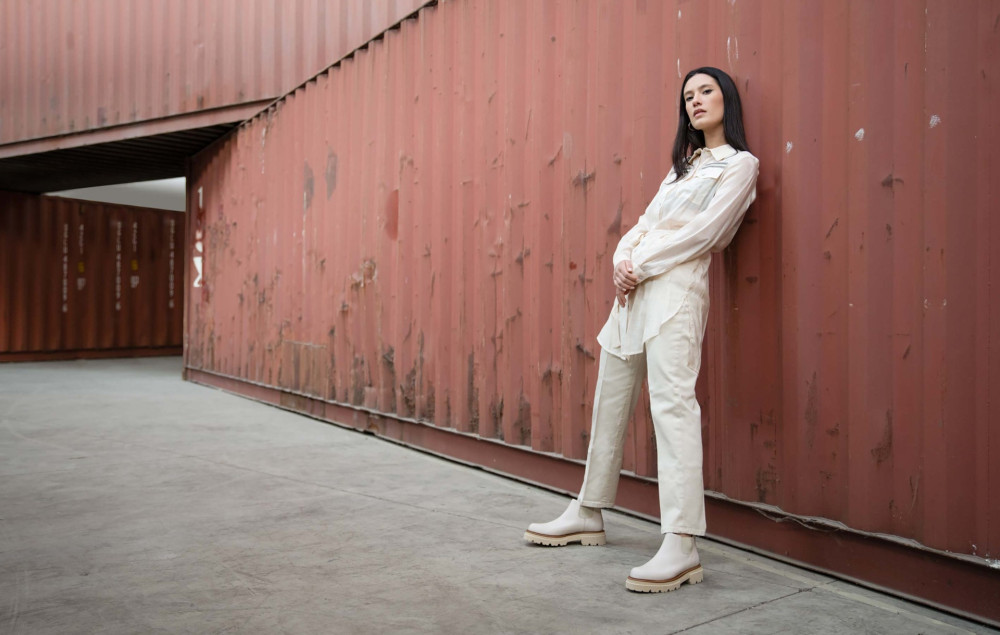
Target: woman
<point>656,329</point>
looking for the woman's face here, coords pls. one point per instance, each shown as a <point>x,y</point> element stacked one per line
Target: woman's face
<point>704,103</point>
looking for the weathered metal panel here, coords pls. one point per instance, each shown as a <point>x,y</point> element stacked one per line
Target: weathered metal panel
<point>426,231</point>
<point>79,277</point>
<point>68,65</point>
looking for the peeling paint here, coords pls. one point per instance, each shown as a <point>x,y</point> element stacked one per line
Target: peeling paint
<point>860,134</point>
<point>366,275</point>
<point>935,120</point>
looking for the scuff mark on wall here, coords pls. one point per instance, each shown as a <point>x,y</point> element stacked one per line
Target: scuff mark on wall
<point>307,186</point>
<point>331,172</point>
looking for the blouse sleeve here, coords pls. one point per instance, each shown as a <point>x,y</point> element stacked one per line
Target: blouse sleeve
<point>640,229</point>
<point>630,240</point>
<point>711,230</point>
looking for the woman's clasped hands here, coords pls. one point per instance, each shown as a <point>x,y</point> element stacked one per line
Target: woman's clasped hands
<point>625,281</point>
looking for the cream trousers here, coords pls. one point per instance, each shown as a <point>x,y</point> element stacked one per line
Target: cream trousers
<point>670,362</point>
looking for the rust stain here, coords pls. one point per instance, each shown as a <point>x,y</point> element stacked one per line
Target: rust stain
<point>832,227</point>
<point>359,380</point>
<point>408,392</point>
<point>883,451</point>
<point>914,490</point>
<point>583,177</point>
<point>330,175</point>
<point>389,361</point>
<point>615,228</point>
<point>430,402</point>
<point>890,181</point>
<point>811,415</point>
<point>765,480</point>
<point>307,187</point>
<point>473,395</point>
<point>392,215</point>
<point>365,275</point>
<point>522,425</point>
<point>496,413</point>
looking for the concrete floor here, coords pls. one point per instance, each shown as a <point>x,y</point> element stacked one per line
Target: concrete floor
<point>133,502</point>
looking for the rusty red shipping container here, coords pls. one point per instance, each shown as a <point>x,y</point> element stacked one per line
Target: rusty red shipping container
<point>419,241</point>
<point>69,66</point>
<point>81,279</point>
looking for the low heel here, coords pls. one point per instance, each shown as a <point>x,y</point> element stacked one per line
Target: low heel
<point>593,540</point>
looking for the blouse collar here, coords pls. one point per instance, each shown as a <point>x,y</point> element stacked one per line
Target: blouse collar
<point>719,153</point>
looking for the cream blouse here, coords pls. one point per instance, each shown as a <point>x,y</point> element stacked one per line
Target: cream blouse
<point>671,244</point>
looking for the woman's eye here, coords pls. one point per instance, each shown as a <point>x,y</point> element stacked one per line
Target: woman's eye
<point>707,91</point>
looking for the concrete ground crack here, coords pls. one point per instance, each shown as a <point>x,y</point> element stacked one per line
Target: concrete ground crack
<point>743,610</point>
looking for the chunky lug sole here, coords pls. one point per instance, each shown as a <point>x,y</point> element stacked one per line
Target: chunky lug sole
<point>585,538</point>
<point>694,575</point>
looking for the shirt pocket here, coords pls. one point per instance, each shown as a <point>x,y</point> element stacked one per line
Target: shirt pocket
<point>710,172</point>
<point>703,186</point>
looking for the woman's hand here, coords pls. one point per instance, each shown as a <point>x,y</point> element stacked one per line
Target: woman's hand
<point>622,297</point>
<point>625,281</point>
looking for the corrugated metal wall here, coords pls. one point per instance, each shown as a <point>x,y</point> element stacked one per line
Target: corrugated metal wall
<point>80,277</point>
<point>73,65</point>
<point>427,231</point>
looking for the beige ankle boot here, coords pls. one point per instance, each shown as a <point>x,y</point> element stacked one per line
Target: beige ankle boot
<point>674,564</point>
<point>580,524</point>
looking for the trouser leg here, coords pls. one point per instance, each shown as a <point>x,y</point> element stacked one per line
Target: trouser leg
<point>618,385</point>
<point>673,359</point>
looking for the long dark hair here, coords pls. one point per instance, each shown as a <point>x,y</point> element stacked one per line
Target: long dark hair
<point>688,139</point>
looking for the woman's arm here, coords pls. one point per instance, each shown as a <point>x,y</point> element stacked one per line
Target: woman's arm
<point>712,229</point>
<point>632,236</point>
<point>630,240</point>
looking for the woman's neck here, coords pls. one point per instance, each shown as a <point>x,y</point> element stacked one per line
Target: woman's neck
<point>715,138</point>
